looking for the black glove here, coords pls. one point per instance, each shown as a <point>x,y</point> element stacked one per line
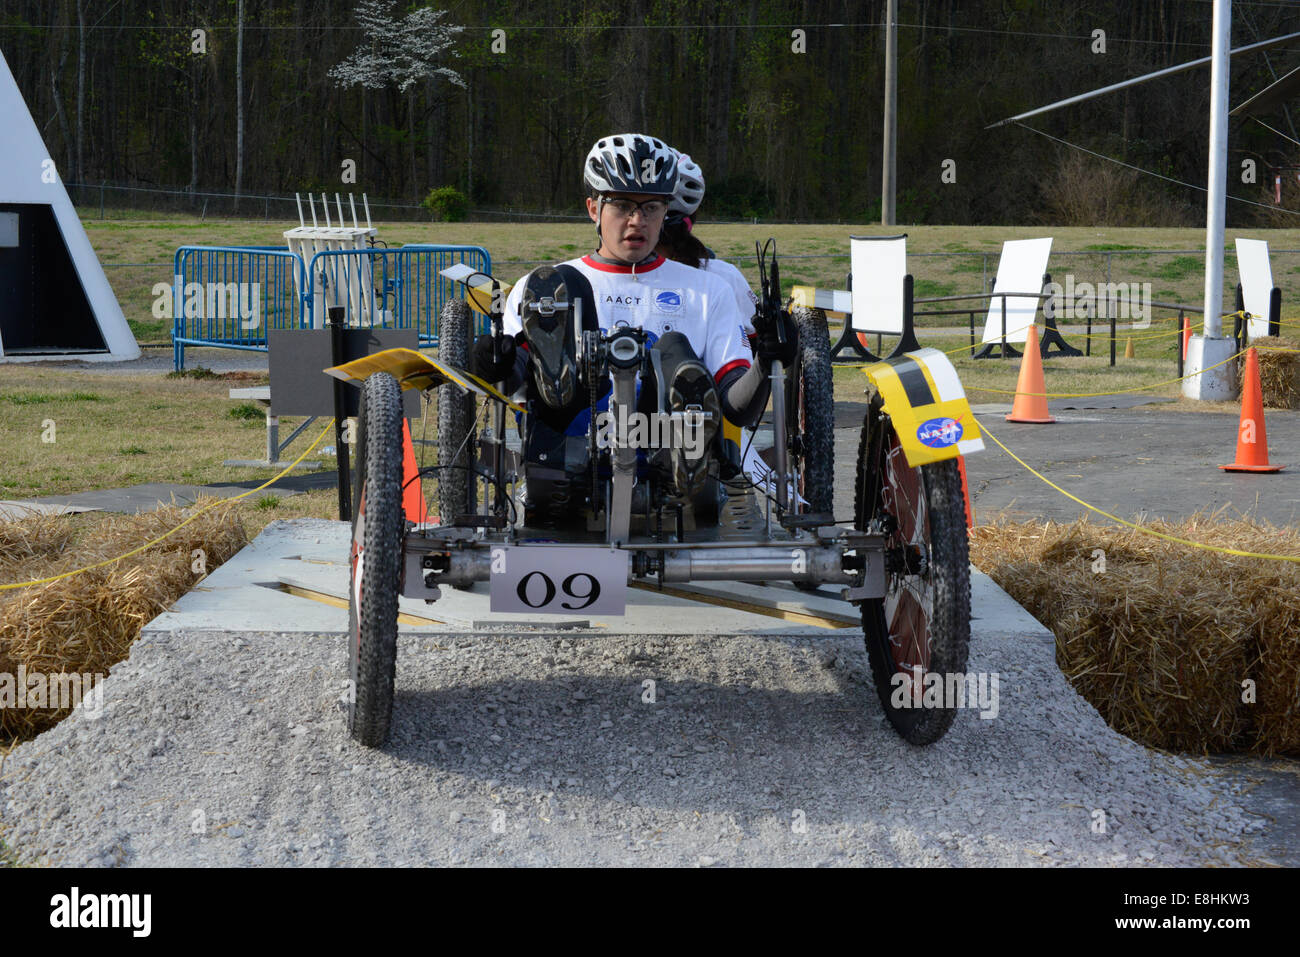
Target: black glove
<point>484,367</point>
<point>767,338</point>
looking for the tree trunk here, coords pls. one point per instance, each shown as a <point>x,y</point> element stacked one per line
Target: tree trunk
<point>194,132</point>
<point>58,101</point>
<point>410,129</point>
<point>81,90</point>
<point>239,104</point>
<point>719,119</point>
<point>430,124</point>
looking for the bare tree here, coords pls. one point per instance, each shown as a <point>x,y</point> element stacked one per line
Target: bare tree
<point>81,90</point>
<point>239,103</point>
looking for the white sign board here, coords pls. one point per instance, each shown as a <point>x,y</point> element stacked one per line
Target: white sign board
<point>1256,282</point>
<point>1021,269</point>
<point>558,580</point>
<point>879,264</point>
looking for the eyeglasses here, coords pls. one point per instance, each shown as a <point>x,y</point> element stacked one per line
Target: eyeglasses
<point>624,208</point>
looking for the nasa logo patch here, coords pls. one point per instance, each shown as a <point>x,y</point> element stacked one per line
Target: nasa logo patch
<point>939,433</point>
<point>668,301</point>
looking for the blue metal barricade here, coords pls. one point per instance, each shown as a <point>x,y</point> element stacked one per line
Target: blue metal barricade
<point>228,296</point>
<point>397,288</point>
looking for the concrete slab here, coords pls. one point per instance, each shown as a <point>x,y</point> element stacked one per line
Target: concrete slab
<point>1141,461</point>
<point>1107,402</point>
<point>1146,461</point>
<point>147,497</point>
<point>12,511</point>
<point>294,578</point>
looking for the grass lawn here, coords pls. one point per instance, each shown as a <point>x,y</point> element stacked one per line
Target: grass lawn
<point>113,430</point>
<point>138,253</point>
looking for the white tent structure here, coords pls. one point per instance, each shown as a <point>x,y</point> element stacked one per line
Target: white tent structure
<point>55,301</point>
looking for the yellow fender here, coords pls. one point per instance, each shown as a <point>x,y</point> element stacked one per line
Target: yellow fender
<point>927,405</point>
<point>415,370</point>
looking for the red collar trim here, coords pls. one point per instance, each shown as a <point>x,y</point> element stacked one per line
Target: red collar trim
<point>610,267</point>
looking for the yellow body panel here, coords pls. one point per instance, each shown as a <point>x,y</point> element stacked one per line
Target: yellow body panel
<point>479,294</point>
<point>415,370</point>
<point>806,296</point>
<point>934,430</point>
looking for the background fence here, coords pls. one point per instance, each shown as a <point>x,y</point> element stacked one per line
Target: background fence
<point>1176,275</point>
<point>229,296</point>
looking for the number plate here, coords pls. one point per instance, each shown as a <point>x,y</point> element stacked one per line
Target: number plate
<point>555,580</point>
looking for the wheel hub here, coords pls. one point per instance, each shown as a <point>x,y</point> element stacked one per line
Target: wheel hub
<point>906,560</point>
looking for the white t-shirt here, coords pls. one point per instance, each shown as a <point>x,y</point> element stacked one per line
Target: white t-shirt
<point>746,301</point>
<point>664,296</point>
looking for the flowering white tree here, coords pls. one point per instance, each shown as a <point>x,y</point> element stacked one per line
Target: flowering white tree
<point>398,50</point>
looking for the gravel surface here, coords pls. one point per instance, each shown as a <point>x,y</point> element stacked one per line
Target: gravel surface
<point>221,748</point>
<point>213,748</point>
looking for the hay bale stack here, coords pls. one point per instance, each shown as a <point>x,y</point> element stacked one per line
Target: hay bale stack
<point>1279,372</point>
<point>1162,639</point>
<point>86,623</point>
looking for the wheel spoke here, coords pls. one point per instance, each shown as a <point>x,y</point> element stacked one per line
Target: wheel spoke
<point>920,626</point>
<point>909,604</point>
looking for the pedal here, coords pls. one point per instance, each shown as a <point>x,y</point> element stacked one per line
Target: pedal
<point>548,325</point>
<point>480,521</point>
<point>807,520</point>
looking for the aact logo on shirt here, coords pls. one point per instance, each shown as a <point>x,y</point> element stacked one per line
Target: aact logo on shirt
<point>668,300</point>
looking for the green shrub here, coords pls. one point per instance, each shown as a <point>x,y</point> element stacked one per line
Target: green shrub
<point>447,204</point>
<point>198,372</point>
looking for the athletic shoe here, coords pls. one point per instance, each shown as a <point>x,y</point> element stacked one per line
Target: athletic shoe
<point>547,317</point>
<point>691,391</point>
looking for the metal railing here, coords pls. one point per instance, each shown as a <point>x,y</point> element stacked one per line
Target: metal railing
<point>229,296</point>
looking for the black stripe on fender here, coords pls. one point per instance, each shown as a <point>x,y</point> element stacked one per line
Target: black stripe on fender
<point>913,380</point>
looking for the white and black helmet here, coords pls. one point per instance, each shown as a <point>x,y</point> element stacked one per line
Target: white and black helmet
<point>631,163</point>
<point>690,187</point>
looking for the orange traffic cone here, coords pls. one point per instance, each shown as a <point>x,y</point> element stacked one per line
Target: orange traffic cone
<point>1252,440</point>
<point>412,491</point>
<point>1031,403</point>
<point>1128,349</point>
<point>965,492</point>
<point>1187,334</point>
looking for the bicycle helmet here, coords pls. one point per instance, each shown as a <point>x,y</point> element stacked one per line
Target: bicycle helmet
<point>690,187</point>
<point>631,163</point>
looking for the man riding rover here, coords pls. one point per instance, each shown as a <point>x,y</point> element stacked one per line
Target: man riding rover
<point>693,327</point>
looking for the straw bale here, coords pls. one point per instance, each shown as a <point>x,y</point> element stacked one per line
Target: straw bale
<point>1161,640</point>
<point>1279,372</point>
<point>85,624</point>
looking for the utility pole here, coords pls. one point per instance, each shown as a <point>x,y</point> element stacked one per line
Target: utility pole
<point>1211,347</point>
<point>888,178</point>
